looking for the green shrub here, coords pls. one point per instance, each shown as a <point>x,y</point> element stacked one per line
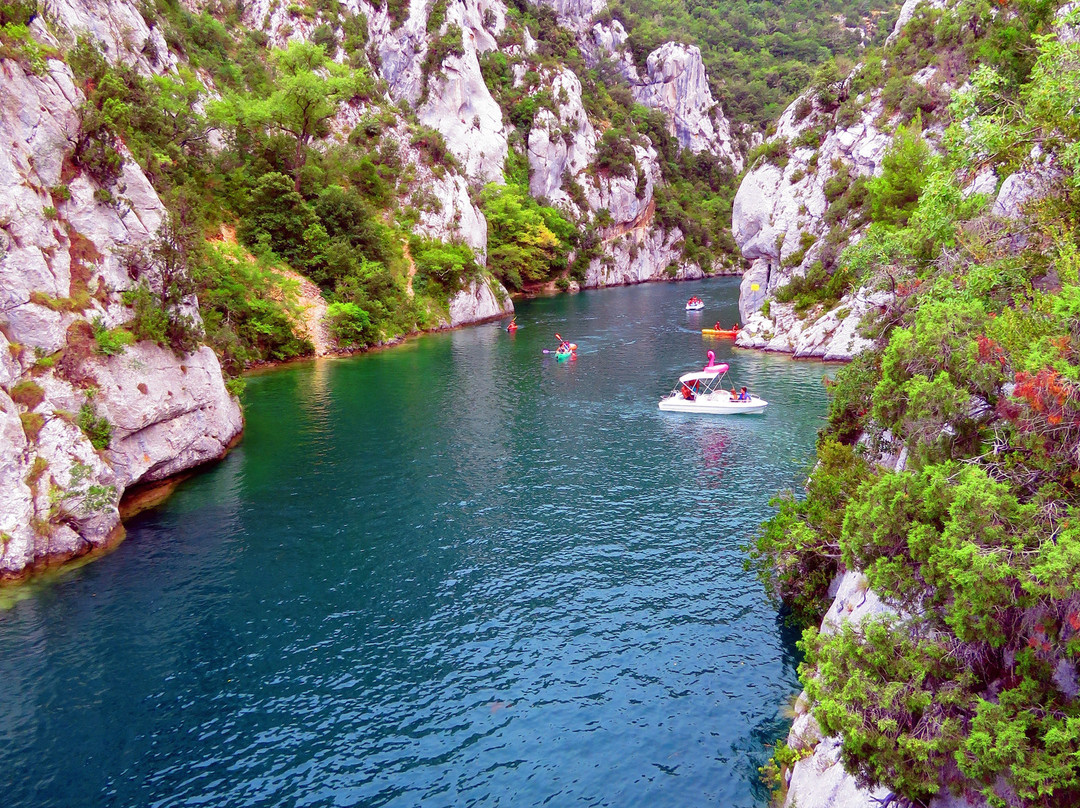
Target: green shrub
<point>905,166</point>
<point>32,424</point>
<point>151,320</point>
<point>248,310</point>
<point>97,429</point>
<point>775,151</point>
<point>797,553</point>
<point>111,342</point>
<point>527,243</point>
<point>349,324</point>
<point>441,268</point>
<point>615,154</point>
<point>326,37</point>
<point>437,16</point>
<point>440,49</point>
<point>18,12</point>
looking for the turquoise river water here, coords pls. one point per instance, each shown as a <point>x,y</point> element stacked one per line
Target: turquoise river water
<point>454,573</point>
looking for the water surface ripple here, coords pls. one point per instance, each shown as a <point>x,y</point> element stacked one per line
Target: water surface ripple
<point>452,573</point>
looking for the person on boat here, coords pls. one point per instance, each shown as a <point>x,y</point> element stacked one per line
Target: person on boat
<point>716,326</point>
<point>734,395</point>
<point>743,395</point>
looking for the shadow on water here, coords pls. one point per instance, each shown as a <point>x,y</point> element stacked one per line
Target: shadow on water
<point>457,572</point>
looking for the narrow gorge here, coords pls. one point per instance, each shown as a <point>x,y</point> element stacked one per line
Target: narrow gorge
<point>194,189</point>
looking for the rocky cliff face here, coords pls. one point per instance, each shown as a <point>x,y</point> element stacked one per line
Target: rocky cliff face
<point>459,103</point>
<point>85,423</point>
<point>62,271</point>
<point>780,222</point>
<point>818,779</point>
<point>479,301</point>
<point>562,150</point>
<point>452,98</point>
<point>790,210</point>
<point>442,80</point>
<point>675,83</point>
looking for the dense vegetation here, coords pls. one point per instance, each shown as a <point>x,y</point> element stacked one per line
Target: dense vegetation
<point>759,55</point>
<point>972,684</point>
<point>353,204</point>
<point>949,47</point>
<point>696,192</point>
<point>337,210</point>
<point>974,379</point>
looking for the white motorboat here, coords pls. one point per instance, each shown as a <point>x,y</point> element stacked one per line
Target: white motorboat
<point>695,304</point>
<point>702,392</point>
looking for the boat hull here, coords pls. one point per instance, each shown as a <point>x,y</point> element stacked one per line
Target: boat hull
<point>713,405</point>
<point>712,332</point>
<point>695,307</point>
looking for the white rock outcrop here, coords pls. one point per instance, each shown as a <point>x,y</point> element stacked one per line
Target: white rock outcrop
<point>167,414</point>
<point>116,25</point>
<point>562,148</point>
<point>639,255</point>
<point>907,11</point>
<point>675,83</point>
<point>457,103</point>
<point>818,780</point>
<point>1022,187</point>
<point>779,223</point>
<point>575,14</point>
<point>830,336</point>
<point>62,269</point>
<point>461,108</point>
<point>481,300</point>
<point>561,145</point>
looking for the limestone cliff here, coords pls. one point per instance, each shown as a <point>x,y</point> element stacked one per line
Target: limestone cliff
<point>675,83</point>
<point>450,97</point>
<point>429,59</point>
<point>62,273</point>
<point>791,212</point>
<point>780,222</point>
<point>563,146</point>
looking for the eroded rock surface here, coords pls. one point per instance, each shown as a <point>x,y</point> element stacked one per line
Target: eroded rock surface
<point>62,269</point>
<point>675,83</point>
<point>480,300</point>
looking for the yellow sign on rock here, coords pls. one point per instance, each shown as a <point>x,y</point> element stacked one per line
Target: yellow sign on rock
<point>754,287</point>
